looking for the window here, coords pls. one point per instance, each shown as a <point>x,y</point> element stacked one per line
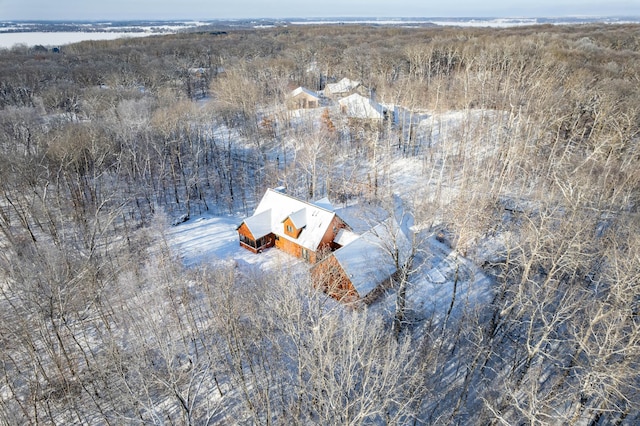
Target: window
<point>305,254</point>
<point>248,241</point>
<point>290,229</point>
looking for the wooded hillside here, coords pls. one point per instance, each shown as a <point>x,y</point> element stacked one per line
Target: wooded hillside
<point>104,144</point>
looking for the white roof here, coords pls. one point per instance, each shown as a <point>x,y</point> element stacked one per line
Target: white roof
<point>368,260</point>
<point>276,206</point>
<point>361,218</point>
<point>301,89</point>
<point>299,218</point>
<point>344,237</point>
<point>325,204</point>
<point>343,86</point>
<point>259,224</point>
<point>358,106</point>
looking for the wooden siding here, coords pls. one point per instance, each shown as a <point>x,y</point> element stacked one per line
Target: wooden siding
<point>294,249</point>
<point>329,277</point>
<point>256,247</point>
<point>243,229</point>
<point>287,242</point>
<point>327,244</point>
<point>302,100</point>
<point>295,231</point>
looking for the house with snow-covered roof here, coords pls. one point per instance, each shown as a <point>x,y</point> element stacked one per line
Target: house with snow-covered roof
<point>303,98</point>
<point>300,228</point>
<point>362,107</point>
<point>365,266</point>
<point>342,88</point>
<point>348,266</point>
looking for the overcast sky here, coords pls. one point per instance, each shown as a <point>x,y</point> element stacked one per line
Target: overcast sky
<point>224,9</point>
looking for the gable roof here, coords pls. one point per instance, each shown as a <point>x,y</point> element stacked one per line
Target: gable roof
<point>343,86</point>
<point>344,237</point>
<point>299,218</point>
<point>275,207</point>
<point>325,204</point>
<point>304,90</point>
<point>259,224</point>
<point>358,106</point>
<point>367,260</point>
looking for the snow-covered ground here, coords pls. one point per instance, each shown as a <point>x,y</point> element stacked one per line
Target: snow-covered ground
<point>60,33</point>
<point>110,32</point>
<point>8,40</point>
<point>441,274</point>
<point>504,22</point>
<point>213,239</point>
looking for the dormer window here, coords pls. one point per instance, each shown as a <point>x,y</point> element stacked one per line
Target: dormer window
<point>291,229</point>
<point>295,223</point>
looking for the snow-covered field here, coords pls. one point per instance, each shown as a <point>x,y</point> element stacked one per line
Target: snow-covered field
<point>468,22</point>
<point>213,239</point>
<point>56,34</point>
<point>54,39</point>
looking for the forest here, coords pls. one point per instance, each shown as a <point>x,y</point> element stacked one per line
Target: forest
<point>105,144</point>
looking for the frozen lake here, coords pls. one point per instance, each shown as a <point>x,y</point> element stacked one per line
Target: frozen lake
<point>52,39</point>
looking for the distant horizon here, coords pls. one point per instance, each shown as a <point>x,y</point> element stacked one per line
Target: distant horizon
<point>321,18</point>
<point>196,10</point>
<point>58,32</point>
<point>328,17</point>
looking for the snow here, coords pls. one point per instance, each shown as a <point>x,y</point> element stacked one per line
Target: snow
<point>368,260</point>
<point>343,86</point>
<point>495,23</point>
<point>214,240</point>
<point>299,218</point>
<point>8,40</point>
<point>25,33</point>
<point>205,239</point>
<point>435,276</point>
<point>259,224</point>
<point>471,22</point>
<point>366,263</point>
<point>358,106</point>
<point>445,276</point>
<point>324,203</point>
<point>360,217</point>
<point>344,237</point>
<point>301,89</point>
<point>440,277</point>
<point>314,219</point>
